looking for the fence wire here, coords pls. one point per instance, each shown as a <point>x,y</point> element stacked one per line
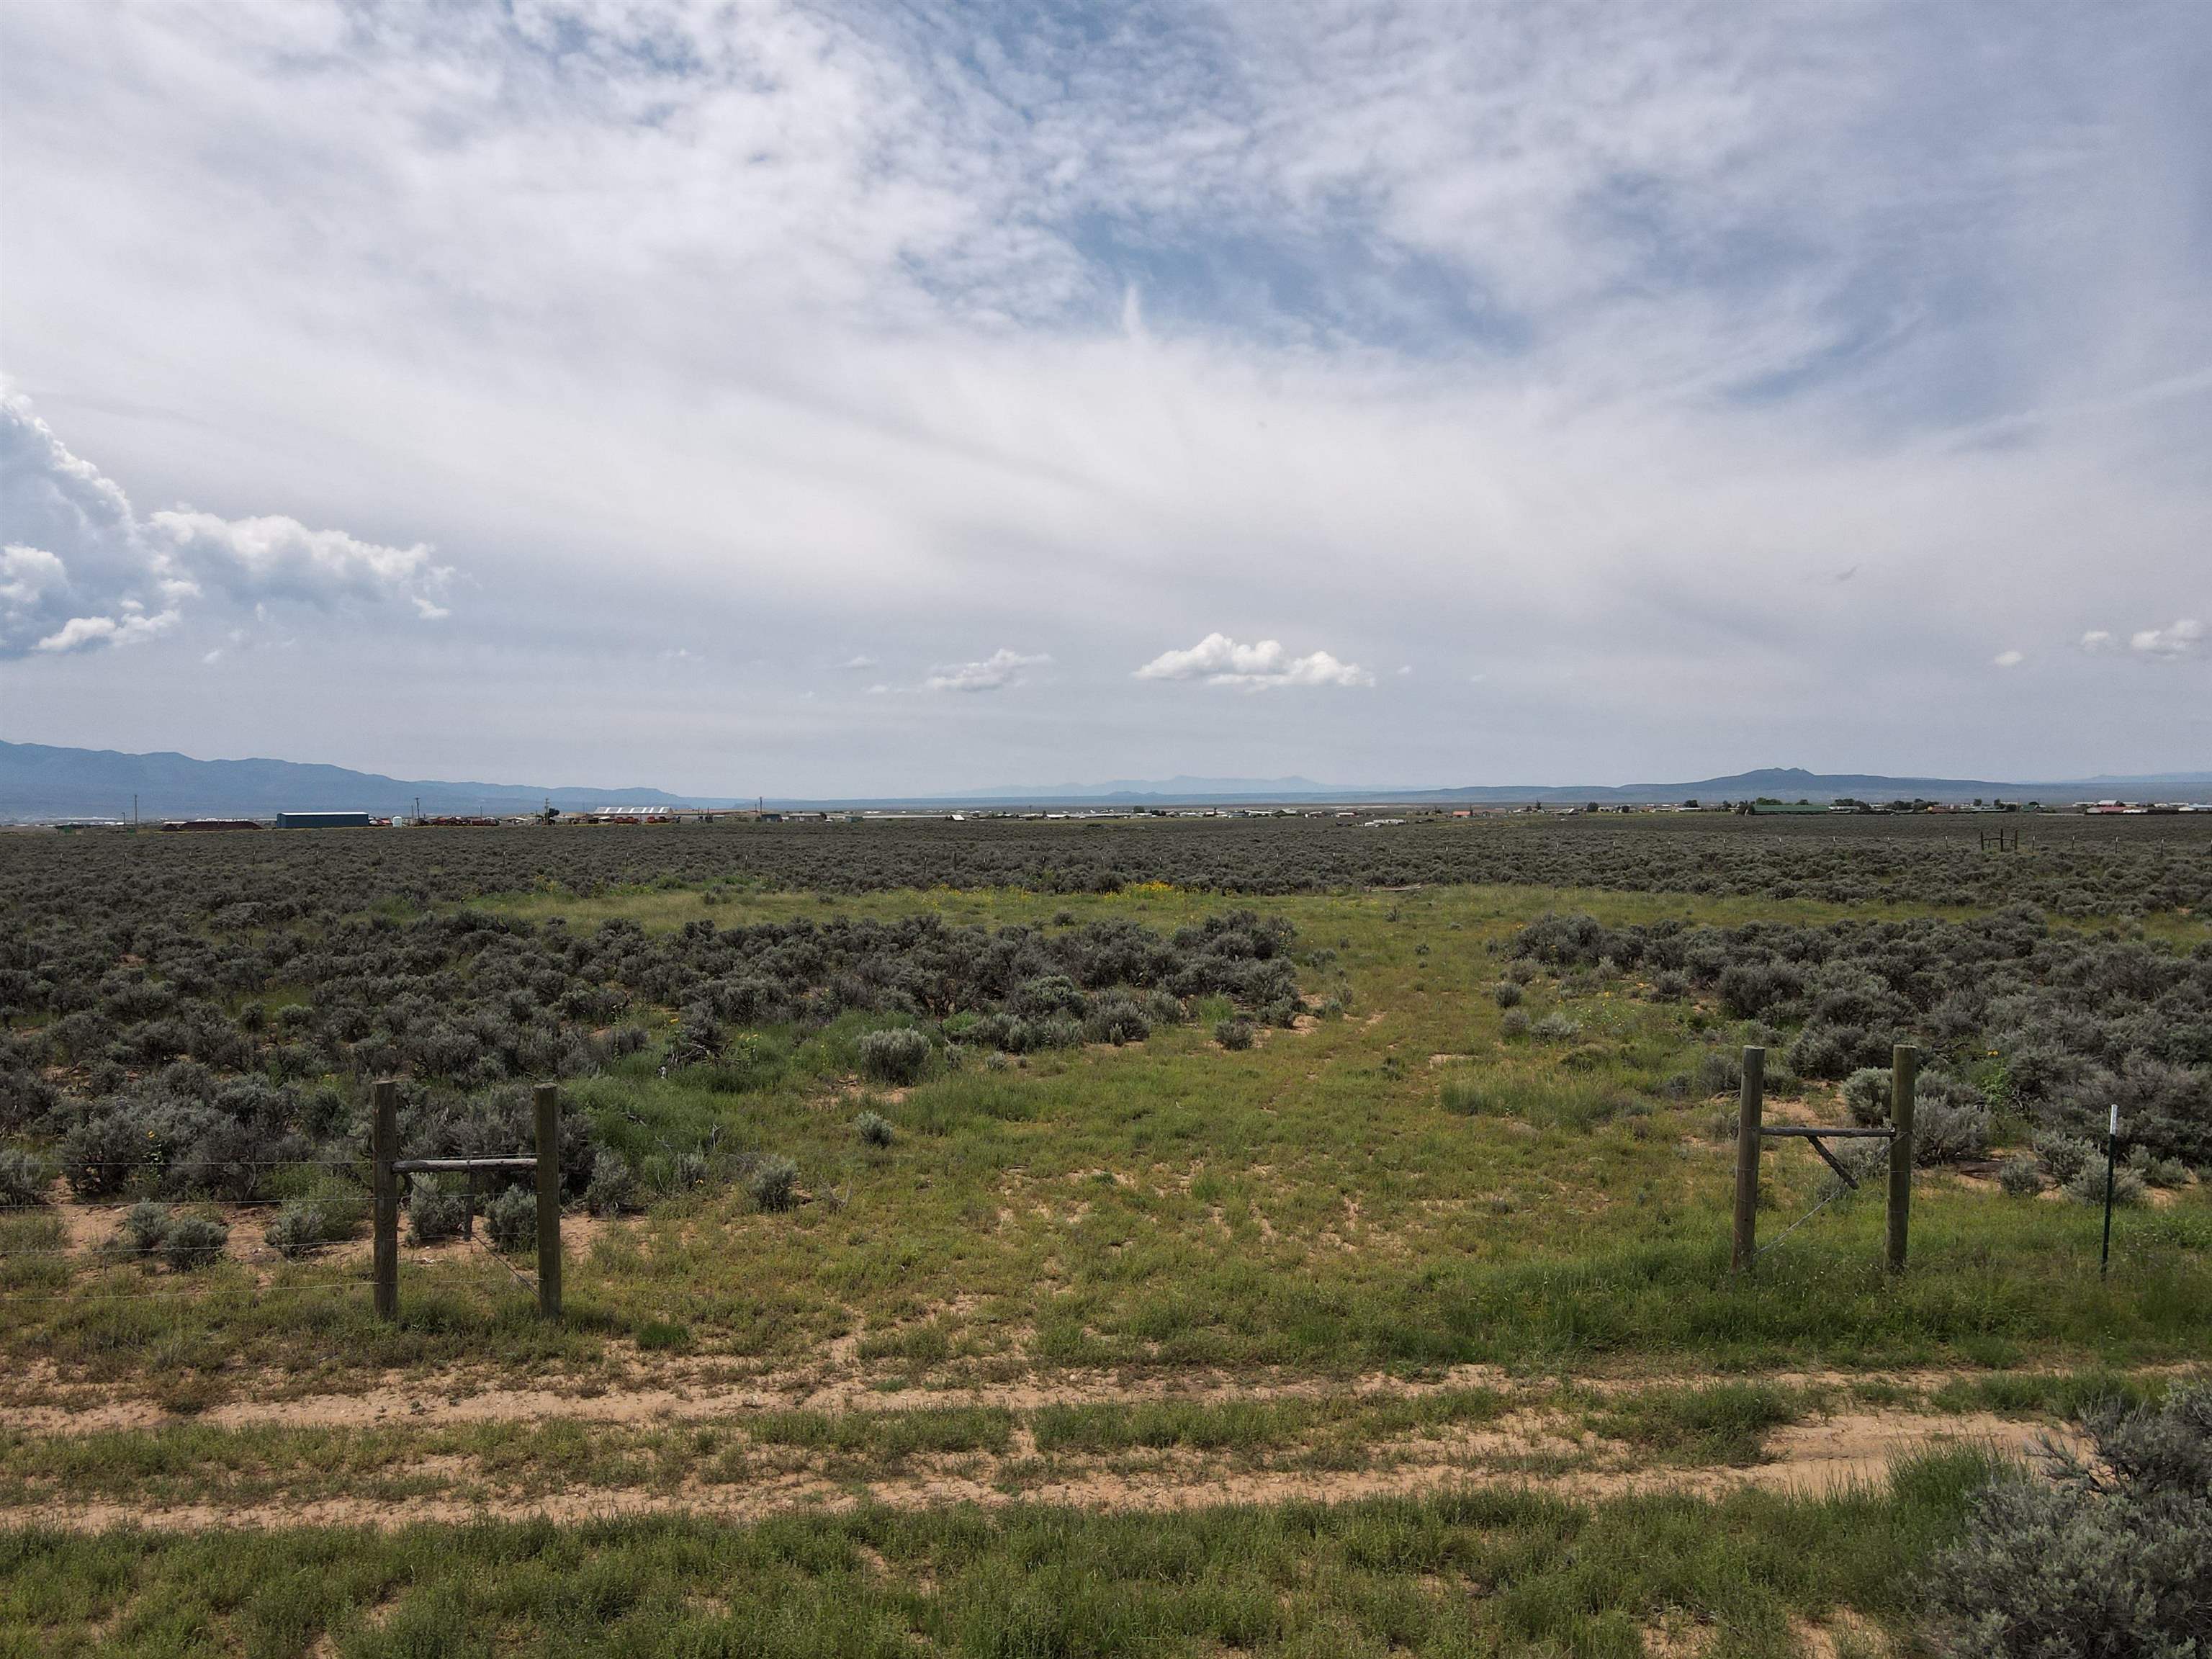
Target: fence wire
<point>101,1257</point>
<point>1841,1191</point>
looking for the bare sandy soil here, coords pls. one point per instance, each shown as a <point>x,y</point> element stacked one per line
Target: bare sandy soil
<point>1825,1456</point>
<point>1536,1445</point>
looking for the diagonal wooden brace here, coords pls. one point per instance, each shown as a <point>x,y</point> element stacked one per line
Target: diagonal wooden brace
<point>1833,1163</point>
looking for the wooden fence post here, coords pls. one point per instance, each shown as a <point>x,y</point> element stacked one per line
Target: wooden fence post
<point>549,1201</point>
<point>1747,1161</point>
<point>384,1146</point>
<point>1904,1062</point>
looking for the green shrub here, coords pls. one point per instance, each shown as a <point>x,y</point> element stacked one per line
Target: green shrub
<point>1117,1019</point>
<point>2088,1186</point>
<point>145,1225</point>
<point>299,1229</point>
<point>1866,1097</point>
<point>1507,994</point>
<point>1515,1023</point>
<point>1944,1131</point>
<point>511,1218</point>
<point>1557,1027</point>
<point>2021,1177</point>
<point>698,1037</point>
<point>1058,1032</point>
<point>192,1242</point>
<point>874,1129</point>
<point>896,1057</point>
<point>1720,1071</point>
<point>435,1214</point>
<point>1234,1033</point>
<point>24,1178</point>
<point>2163,1171</point>
<point>613,1187</point>
<point>2108,1558</point>
<point>2064,1157</point>
<point>774,1182</point>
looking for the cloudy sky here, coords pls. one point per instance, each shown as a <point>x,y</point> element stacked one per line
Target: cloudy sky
<point>845,398</point>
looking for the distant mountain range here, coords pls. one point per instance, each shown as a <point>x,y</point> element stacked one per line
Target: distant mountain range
<point>40,783</point>
<point>1788,783</point>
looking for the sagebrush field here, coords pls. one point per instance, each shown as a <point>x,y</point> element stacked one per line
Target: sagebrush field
<point>1041,1237</point>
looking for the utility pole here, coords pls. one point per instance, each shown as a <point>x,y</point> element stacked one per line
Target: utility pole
<point>134,812</point>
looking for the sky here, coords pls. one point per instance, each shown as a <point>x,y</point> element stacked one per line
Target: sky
<point>845,399</point>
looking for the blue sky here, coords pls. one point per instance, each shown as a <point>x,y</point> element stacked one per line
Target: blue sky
<point>863,398</point>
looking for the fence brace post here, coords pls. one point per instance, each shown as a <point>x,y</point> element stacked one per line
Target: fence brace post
<point>548,1102</point>
<point>1746,1246</point>
<point>1904,1068</point>
<point>383,1147</point>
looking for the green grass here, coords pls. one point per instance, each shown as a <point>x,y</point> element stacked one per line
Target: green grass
<point>1488,1573</point>
<point>2043,1394</point>
<point>886,1437</point>
<point>1256,1425</point>
<point>1725,1423</point>
<point>660,1336</point>
<point>200,1462</point>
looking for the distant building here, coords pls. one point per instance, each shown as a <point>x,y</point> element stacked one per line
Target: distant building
<point>323,820</point>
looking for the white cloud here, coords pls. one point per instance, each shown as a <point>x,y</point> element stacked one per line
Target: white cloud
<point>1220,660</point>
<point>1605,346</point>
<point>82,570</point>
<point>2179,641</point>
<point>2009,658</point>
<point>2097,639</point>
<point>275,557</point>
<point>27,575</point>
<point>82,633</point>
<point>857,665</point>
<point>1000,669</point>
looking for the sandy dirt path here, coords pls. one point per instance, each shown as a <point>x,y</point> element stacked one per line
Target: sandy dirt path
<point>1532,1447</point>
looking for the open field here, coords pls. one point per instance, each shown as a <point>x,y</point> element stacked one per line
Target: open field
<point>1371,1244</point>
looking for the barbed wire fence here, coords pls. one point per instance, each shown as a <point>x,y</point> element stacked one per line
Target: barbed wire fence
<point>75,1264</point>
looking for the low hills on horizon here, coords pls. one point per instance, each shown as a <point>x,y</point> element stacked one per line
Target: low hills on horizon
<point>41,783</point>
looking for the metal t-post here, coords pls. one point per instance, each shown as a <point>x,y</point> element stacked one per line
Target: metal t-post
<point>1904,1063</point>
<point>2111,1157</point>
<point>1749,1107</point>
<point>384,1146</point>
<point>548,1102</point>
